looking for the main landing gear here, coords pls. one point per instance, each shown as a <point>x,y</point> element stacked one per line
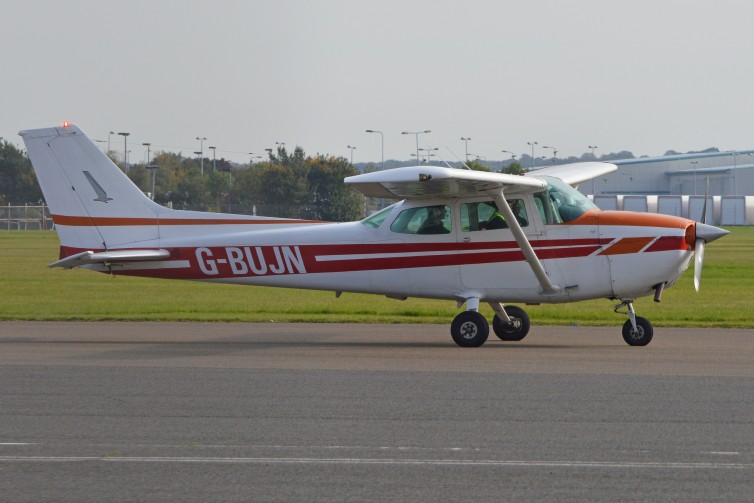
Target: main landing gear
<point>470,329</point>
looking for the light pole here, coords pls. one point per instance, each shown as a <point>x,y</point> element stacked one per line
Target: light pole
<point>382,147</point>
<point>201,153</point>
<point>554,152</point>
<point>148,152</point>
<point>693,164</point>
<point>351,149</point>
<point>532,143</point>
<point>429,150</point>
<point>108,141</point>
<point>417,133</point>
<point>214,158</point>
<point>466,141</point>
<point>125,150</point>
<point>153,168</point>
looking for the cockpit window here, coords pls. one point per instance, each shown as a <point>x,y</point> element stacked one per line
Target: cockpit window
<point>375,220</point>
<point>485,215</point>
<point>561,203</point>
<point>423,220</point>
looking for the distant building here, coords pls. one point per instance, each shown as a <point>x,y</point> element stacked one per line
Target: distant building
<point>729,173</point>
<point>677,184</point>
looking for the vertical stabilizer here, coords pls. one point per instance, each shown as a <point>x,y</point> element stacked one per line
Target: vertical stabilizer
<point>93,204</point>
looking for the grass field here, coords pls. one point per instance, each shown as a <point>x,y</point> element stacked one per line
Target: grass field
<point>31,291</point>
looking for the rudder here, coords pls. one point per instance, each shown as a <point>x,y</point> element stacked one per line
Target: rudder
<point>94,205</point>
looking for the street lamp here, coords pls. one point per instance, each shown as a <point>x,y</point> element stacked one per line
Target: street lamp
<point>148,151</point>
<point>108,141</point>
<point>125,150</point>
<point>417,133</point>
<point>351,149</point>
<point>214,159</point>
<point>429,150</point>
<point>466,141</point>
<point>382,146</point>
<point>693,164</point>
<point>201,153</point>
<point>532,152</point>
<point>153,168</point>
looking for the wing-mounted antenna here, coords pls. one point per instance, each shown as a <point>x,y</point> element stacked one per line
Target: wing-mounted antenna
<point>457,159</point>
<point>443,160</point>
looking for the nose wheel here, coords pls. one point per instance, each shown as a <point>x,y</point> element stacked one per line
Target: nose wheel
<point>637,331</point>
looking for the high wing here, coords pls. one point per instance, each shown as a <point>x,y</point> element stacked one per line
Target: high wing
<point>419,182</point>
<point>576,173</point>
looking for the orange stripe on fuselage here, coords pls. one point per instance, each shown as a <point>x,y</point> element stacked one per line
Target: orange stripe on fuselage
<point>122,221</point>
<point>631,218</point>
<point>626,245</point>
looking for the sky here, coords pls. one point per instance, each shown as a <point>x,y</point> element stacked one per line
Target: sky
<point>641,75</point>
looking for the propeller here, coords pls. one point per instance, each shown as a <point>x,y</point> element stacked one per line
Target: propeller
<point>699,245</point>
<point>704,234</point>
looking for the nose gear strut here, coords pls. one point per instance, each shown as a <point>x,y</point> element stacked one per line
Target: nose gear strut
<point>637,331</point>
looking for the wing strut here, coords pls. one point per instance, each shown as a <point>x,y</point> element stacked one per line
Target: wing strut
<point>518,233</point>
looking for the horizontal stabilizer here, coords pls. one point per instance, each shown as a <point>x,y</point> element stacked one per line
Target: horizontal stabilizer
<point>89,257</point>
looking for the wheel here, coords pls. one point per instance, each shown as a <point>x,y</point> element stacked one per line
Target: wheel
<point>639,337</point>
<point>469,329</point>
<point>514,331</point>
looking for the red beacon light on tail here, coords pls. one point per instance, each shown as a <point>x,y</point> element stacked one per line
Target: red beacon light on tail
<point>66,124</point>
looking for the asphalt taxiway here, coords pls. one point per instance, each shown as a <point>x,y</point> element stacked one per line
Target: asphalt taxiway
<point>322,412</point>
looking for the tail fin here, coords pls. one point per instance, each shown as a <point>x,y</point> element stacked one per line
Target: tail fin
<point>93,204</point>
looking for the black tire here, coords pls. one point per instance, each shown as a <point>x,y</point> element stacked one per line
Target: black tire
<point>639,337</point>
<point>470,329</point>
<point>513,332</point>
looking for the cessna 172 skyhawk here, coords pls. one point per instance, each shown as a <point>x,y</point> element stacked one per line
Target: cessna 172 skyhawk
<point>455,234</point>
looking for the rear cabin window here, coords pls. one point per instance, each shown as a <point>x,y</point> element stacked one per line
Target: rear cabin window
<point>485,215</point>
<point>423,220</point>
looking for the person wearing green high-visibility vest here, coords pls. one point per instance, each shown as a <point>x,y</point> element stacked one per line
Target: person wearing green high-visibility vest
<point>496,220</point>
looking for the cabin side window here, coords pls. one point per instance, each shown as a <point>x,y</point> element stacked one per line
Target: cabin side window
<point>423,220</point>
<point>485,215</point>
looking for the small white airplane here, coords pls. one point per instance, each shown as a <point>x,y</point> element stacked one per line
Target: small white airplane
<point>454,234</point>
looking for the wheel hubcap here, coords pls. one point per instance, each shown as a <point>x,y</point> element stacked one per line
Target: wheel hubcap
<point>469,330</point>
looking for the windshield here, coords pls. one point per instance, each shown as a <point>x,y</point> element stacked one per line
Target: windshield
<point>375,220</point>
<point>561,203</point>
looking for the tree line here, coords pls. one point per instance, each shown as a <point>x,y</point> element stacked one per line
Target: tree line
<point>288,184</point>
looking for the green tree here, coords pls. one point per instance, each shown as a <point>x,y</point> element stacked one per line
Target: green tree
<point>328,198</point>
<point>18,183</point>
<point>477,166</point>
<point>513,168</point>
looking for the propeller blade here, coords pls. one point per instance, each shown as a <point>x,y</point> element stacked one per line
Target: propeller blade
<point>698,262</point>
<point>704,207</point>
